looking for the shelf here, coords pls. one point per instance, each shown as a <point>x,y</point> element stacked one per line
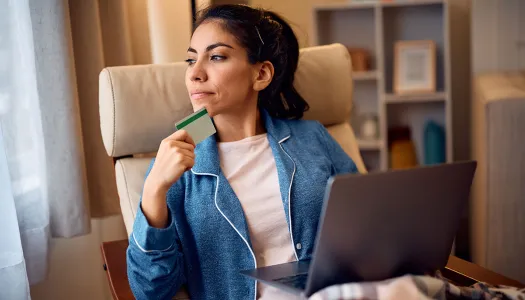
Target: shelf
<point>367,75</point>
<point>411,23</point>
<point>376,27</point>
<point>332,26</point>
<point>415,116</point>
<point>370,144</point>
<point>435,97</point>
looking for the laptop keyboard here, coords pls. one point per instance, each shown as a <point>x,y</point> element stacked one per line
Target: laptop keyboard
<point>297,281</point>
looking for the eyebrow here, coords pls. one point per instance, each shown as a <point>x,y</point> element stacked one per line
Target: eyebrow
<point>211,47</point>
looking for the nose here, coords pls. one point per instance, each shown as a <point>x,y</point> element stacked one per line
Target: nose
<point>197,72</point>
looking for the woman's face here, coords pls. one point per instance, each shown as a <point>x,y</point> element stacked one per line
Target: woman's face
<point>219,75</point>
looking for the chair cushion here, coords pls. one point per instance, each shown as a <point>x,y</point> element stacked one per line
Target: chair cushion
<point>344,135</point>
<point>130,173</point>
<point>140,104</point>
<point>324,79</point>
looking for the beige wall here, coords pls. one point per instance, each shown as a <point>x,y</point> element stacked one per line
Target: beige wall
<point>76,265</point>
<point>139,31</point>
<point>159,31</point>
<point>169,29</point>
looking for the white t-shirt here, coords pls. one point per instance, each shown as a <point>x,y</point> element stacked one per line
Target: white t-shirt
<point>250,168</point>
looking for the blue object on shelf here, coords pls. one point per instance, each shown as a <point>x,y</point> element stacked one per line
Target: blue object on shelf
<point>434,142</point>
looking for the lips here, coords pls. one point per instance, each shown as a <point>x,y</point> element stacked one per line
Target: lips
<point>200,94</point>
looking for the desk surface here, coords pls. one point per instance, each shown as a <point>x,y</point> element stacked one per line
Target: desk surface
<point>459,271</point>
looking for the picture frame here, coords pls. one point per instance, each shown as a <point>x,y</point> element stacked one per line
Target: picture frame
<point>414,67</point>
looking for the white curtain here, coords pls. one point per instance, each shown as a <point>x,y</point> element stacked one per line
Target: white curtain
<point>24,215</point>
<point>42,179</point>
<point>51,53</point>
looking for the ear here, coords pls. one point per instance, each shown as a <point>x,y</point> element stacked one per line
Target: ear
<point>263,76</point>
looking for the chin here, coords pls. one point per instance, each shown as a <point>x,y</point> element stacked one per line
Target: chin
<point>209,109</point>
<point>211,112</point>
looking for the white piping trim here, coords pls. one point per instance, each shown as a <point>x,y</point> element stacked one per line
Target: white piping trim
<point>284,139</point>
<point>148,251</point>
<point>245,241</point>
<point>289,197</point>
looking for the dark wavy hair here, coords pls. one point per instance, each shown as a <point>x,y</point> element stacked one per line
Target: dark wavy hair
<point>266,36</point>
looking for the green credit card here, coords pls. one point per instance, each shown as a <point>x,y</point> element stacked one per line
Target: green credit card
<point>198,125</point>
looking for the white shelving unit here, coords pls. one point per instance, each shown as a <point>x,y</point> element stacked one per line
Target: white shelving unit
<point>376,26</point>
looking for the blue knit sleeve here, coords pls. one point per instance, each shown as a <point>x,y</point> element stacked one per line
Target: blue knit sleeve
<point>154,260</point>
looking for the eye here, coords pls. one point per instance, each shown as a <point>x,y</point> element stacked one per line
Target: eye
<point>218,57</point>
<point>190,61</point>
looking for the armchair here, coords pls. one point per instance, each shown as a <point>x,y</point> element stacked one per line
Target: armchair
<point>139,106</point>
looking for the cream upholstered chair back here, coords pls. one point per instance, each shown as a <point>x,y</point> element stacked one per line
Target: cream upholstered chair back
<point>139,106</point>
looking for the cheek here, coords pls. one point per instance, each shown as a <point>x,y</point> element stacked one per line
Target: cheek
<point>187,81</point>
<point>234,85</point>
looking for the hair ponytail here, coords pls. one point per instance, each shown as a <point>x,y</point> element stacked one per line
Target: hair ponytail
<point>266,37</point>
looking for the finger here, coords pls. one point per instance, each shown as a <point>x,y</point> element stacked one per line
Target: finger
<point>181,145</point>
<point>186,152</point>
<point>188,162</point>
<point>185,136</point>
<point>189,140</point>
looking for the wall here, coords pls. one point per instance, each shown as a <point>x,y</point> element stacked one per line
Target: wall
<point>138,25</point>
<point>170,29</point>
<point>498,35</point>
<point>76,264</point>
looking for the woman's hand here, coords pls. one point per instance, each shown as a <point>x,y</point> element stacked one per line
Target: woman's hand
<point>175,156</point>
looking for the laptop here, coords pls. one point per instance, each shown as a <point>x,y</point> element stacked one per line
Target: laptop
<point>378,226</point>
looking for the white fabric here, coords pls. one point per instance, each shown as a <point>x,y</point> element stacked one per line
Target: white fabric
<point>14,283</point>
<point>250,168</point>
<point>39,171</point>
<point>24,217</point>
<point>59,113</point>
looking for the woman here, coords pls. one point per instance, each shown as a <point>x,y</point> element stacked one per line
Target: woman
<point>249,196</point>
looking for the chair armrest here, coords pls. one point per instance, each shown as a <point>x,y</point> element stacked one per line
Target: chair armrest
<point>459,271</point>
<point>466,273</point>
<point>114,256</point>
